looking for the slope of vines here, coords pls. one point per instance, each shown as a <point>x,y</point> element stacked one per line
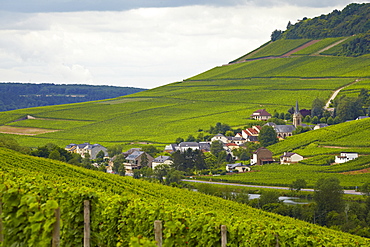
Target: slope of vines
<point>32,188</point>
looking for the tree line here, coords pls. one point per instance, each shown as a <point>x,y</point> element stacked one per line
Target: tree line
<point>328,208</point>
<point>24,95</point>
<point>352,20</point>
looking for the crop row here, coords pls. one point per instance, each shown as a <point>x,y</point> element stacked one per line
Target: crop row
<point>123,207</point>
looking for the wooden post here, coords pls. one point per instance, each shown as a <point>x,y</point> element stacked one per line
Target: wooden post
<point>1,221</point>
<point>223,236</point>
<point>158,232</point>
<point>86,223</point>
<point>56,229</point>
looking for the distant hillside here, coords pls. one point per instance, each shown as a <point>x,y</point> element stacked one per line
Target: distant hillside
<point>24,95</point>
<point>352,20</point>
<point>273,77</point>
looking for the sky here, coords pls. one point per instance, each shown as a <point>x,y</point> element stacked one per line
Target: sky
<point>137,43</point>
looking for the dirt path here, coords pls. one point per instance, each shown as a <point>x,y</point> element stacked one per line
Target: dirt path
<point>332,97</point>
<point>328,47</point>
<point>300,48</point>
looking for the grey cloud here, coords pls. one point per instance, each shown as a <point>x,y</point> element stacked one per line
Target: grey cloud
<point>120,5</point>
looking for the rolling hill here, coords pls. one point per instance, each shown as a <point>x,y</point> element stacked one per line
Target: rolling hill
<point>272,77</point>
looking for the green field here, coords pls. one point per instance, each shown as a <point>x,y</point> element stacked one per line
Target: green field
<point>227,94</point>
<point>122,209</point>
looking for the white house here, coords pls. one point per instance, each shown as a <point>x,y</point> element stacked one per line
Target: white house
<point>288,158</point>
<point>238,166</point>
<point>221,138</point>
<point>261,114</point>
<point>344,157</point>
<point>165,160</point>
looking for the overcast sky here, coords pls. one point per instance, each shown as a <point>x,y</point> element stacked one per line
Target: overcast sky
<point>139,43</point>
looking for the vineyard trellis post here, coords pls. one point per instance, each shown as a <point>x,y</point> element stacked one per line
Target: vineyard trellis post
<point>86,223</point>
<point>56,229</point>
<point>158,232</point>
<point>1,221</point>
<point>223,236</point>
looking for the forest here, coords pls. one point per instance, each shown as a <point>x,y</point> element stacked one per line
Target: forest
<point>24,95</point>
<point>352,20</point>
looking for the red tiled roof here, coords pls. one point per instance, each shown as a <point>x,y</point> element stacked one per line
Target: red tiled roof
<point>231,144</point>
<point>261,112</point>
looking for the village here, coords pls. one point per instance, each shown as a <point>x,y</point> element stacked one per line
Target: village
<point>136,158</point>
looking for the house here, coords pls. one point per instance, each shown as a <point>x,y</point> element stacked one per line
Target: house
<point>238,140</point>
<point>320,125</point>
<point>171,148</point>
<point>136,161</point>
<point>282,131</point>
<point>221,138</point>
<point>162,160</point>
<point>205,147</point>
<point>231,146</point>
<point>261,114</point>
<point>184,146</point>
<point>86,148</point>
<point>130,151</point>
<point>238,166</point>
<point>262,156</point>
<point>344,157</point>
<point>288,158</point>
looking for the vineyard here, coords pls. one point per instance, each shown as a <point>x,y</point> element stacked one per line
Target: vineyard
<point>124,209</point>
<point>311,171</point>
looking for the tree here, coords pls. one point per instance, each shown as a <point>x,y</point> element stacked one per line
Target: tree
<point>315,120</point>
<point>276,35</point>
<point>114,150</point>
<point>54,155</point>
<point>329,197</point>
<point>151,150</point>
<point>317,108</point>
<point>298,184</point>
<point>282,116</point>
<point>288,116</point>
<point>267,136</point>
<point>323,120</point>
<point>216,147</point>
<point>330,121</point>
<point>307,119</point>
<point>291,110</point>
<point>118,163</point>
<point>336,120</point>
<point>144,160</point>
<point>179,140</point>
<point>268,196</point>
<point>229,133</point>
<point>365,189</point>
<point>190,138</point>
<point>348,108</point>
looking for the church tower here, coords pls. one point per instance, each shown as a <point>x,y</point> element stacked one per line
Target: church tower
<point>297,116</point>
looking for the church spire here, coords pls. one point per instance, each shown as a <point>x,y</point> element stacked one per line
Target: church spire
<point>296,107</point>
<point>297,116</point>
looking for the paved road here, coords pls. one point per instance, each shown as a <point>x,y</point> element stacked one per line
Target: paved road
<point>349,192</point>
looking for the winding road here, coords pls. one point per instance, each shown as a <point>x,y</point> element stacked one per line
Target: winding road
<point>348,192</point>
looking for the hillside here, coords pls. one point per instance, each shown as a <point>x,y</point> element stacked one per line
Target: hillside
<point>122,208</point>
<point>272,77</point>
<point>24,95</point>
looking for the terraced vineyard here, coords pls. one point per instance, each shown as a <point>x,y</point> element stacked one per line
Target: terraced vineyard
<point>124,208</point>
